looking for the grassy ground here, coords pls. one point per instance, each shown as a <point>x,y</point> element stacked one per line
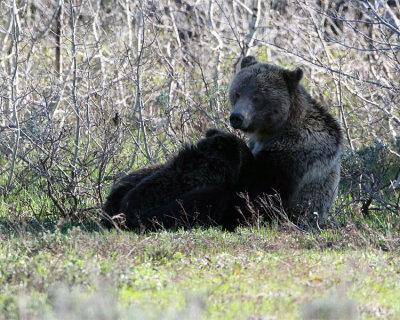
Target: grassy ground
<point>269,273</point>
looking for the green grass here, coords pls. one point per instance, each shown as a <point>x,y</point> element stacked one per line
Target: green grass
<point>271,273</point>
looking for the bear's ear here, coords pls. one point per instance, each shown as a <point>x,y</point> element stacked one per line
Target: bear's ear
<point>293,78</point>
<point>212,132</point>
<point>247,62</point>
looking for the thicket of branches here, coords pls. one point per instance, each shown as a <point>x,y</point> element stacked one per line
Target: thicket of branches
<point>92,89</point>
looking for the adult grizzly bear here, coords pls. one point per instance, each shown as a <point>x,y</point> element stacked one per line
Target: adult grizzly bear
<point>296,143</point>
<point>213,167</point>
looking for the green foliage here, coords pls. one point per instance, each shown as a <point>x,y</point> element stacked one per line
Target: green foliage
<point>241,275</point>
<point>370,184</point>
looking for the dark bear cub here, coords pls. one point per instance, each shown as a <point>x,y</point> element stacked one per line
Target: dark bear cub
<point>111,207</point>
<point>178,192</point>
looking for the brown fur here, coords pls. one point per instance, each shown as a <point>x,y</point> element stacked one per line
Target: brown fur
<point>296,142</point>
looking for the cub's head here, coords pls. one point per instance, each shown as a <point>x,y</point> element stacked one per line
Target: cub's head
<point>228,145</point>
<point>228,148</point>
<point>260,96</point>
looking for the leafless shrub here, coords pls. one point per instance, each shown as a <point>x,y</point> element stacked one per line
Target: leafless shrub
<point>370,180</point>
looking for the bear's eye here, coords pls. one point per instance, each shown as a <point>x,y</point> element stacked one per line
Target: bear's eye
<point>237,95</point>
<point>255,99</point>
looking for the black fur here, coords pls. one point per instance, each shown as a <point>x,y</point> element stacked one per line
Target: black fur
<point>179,192</point>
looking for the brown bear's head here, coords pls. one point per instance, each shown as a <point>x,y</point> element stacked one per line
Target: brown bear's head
<point>260,96</point>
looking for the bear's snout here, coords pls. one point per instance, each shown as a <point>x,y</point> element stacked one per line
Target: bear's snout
<point>236,120</point>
